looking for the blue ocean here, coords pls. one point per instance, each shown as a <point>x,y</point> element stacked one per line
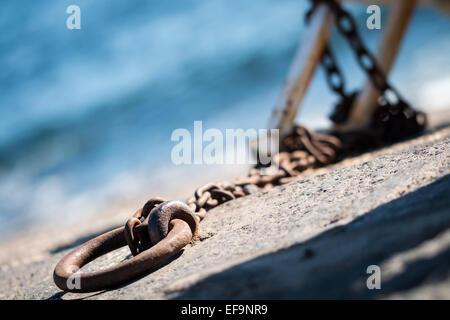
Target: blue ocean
<point>86,115</point>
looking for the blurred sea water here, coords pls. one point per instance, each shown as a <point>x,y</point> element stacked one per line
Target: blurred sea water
<point>86,115</point>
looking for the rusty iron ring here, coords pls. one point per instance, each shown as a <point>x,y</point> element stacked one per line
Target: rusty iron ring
<point>179,234</point>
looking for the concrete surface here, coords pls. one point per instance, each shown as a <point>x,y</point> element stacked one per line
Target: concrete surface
<point>312,238</point>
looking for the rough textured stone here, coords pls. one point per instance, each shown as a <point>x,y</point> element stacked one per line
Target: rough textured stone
<point>312,238</point>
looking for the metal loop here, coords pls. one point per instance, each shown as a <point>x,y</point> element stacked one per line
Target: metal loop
<point>179,236</point>
<point>158,223</point>
<point>150,205</point>
<point>345,23</point>
<point>130,236</point>
<point>136,242</point>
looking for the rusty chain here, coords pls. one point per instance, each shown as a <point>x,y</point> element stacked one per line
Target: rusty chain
<point>301,150</point>
<point>394,118</point>
<point>336,82</point>
<point>160,229</point>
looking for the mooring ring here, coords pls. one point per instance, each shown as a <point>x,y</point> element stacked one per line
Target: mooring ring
<point>67,277</point>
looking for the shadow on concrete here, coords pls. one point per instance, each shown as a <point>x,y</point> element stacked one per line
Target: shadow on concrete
<point>333,264</point>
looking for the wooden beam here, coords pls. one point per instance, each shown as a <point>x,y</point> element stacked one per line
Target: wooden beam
<point>302,69</point>
<point>392,36</point>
